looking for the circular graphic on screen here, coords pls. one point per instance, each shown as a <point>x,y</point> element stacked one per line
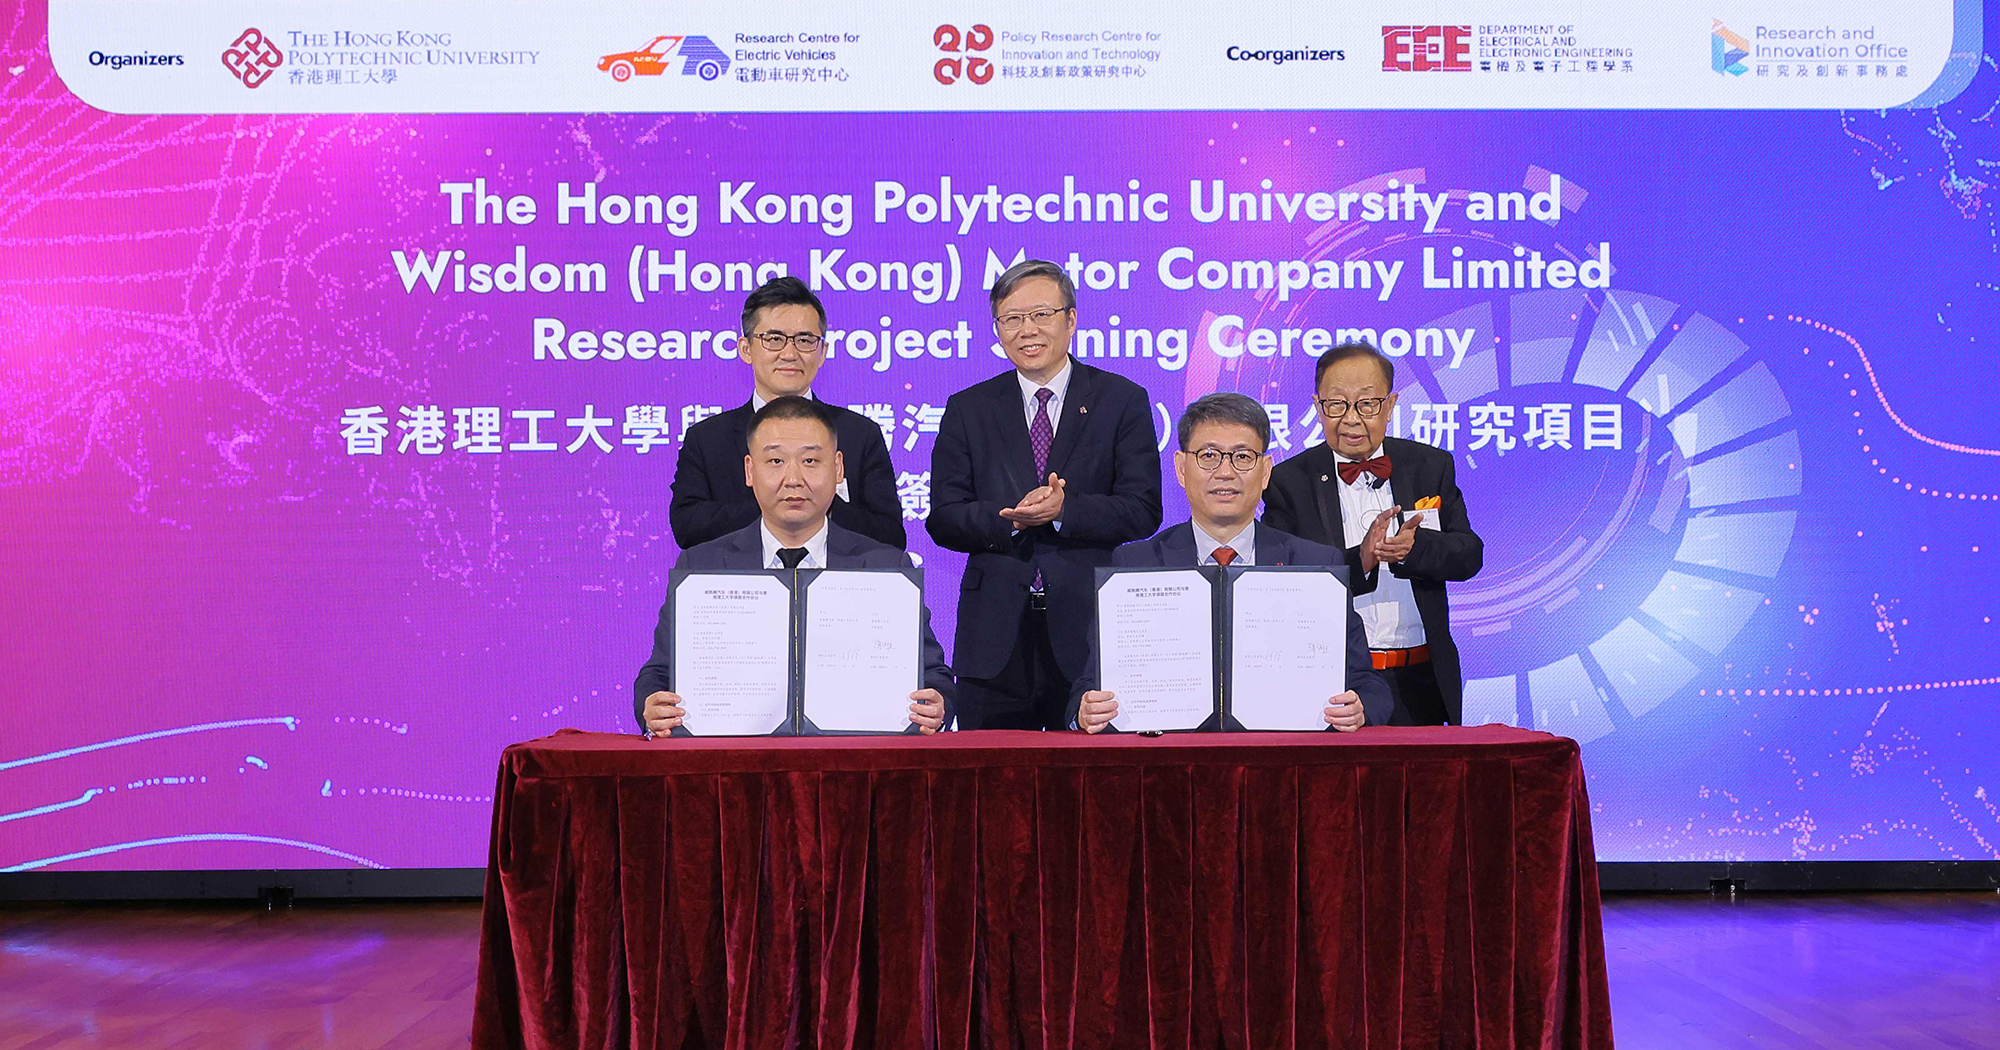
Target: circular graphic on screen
<point>1635,481</point>
<point>1621,558</point>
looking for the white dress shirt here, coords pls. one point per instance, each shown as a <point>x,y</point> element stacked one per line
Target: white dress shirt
<point>1057,384</point>
<point>757,403</point>
<point>815,546</point>
<point>1244,544</point>
<point>1389,613</point>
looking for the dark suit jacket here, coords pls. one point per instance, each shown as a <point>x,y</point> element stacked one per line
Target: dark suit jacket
<point>711,500</point>
<point>1304,498</point>
<point>744,549</point>
<point>1106,453</point>
<point>1175,547</point>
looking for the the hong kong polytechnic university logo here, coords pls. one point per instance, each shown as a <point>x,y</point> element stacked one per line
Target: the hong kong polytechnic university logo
<point>252,58</point>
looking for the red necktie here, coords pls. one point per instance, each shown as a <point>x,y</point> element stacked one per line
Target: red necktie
<point>1379,466</point>
<point>1223,556</point>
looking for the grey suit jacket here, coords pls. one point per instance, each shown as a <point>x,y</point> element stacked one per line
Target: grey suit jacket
<point>744,549</point>
<point>1175,547</point>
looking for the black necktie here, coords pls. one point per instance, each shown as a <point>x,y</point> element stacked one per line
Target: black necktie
<point>791,556</point>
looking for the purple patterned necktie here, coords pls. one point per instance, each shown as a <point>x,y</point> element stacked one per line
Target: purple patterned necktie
<point>1042,433</point>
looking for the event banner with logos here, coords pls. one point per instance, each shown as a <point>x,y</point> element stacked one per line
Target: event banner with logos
<point>350,348</point>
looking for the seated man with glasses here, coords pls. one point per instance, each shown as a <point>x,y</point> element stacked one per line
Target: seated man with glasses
<point>1385,501</point>
<point>1223,465</point>
<point>784,343</point>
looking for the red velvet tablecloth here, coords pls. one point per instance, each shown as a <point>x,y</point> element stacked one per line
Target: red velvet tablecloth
<point>1388,888</point>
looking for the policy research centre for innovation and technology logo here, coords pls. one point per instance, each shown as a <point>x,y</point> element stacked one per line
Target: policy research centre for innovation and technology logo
<point>1727,50</point>
<point>698,56</point>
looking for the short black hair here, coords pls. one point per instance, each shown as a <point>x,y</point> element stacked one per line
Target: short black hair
<point>1349,351</point>
<point>1225,407</point>
<point>1006,283</point>
<point>790,406</point>
<point>781,291</point>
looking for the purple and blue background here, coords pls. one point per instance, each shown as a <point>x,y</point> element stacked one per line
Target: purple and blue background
<point>226,643</point>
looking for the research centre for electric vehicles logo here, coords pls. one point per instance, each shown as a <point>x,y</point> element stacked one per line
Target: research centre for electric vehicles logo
<point>689,56</point>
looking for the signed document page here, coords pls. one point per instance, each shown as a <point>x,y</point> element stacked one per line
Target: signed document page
<point>732,653</point>
<point>1288,648</point>
<point>1156,648</point>
<point>863,653</point>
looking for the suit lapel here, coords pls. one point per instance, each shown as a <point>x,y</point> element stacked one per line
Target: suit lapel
<point>1326,492</point>
<point>750,545</point>
<point>739,435</point>
<point>1272,547</point>
<point>1177,545</point>
<point>1402,477</point>
<point>1078,401</point>
<point>841,550</point>
<point>1013,428</point>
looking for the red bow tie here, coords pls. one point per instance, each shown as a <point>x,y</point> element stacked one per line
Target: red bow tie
<point>1379,466</point>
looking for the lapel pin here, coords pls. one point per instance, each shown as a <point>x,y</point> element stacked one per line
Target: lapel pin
<point>1083,410</point>
<point>1322,477</point>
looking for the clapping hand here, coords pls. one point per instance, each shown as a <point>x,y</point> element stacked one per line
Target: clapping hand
<point>1039,507</point>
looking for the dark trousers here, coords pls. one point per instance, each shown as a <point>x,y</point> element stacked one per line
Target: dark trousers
<point>1415,690</point>
<point>1031,692</point>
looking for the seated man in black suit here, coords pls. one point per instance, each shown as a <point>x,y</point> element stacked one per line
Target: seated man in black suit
<point>793,464</point>
<point>784,343</point>
<point>1223,465</point>
<point>1348,493</point>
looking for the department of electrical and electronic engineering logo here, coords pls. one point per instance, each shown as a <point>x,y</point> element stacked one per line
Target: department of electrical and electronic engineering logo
<point>1727,50</point>
<point>1426,49</point>
<point>698,56</point>
<point>252,58</point>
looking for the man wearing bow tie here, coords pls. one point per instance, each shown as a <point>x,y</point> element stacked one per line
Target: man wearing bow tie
<point>1385,501</point>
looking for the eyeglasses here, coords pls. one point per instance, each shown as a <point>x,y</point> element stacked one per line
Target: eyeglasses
<point>1336,407</point>
<point>1041,319</point>
<point>776,342</point>
<point>1210,458</point>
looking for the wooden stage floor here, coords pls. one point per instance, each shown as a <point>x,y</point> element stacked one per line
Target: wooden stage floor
<point>1915,971</point>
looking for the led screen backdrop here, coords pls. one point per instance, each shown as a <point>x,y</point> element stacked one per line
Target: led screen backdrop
<point>338,415</point>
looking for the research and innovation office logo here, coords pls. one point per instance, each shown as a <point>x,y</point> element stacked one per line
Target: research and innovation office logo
<point>1727,50</point>
<point>252,58</point>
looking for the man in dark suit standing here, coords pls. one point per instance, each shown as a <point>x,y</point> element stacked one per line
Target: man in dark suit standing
<point>1385,501</point>
<point>1037,474</point>
<point>784,343</point>
<point>1224,466</point>
<point>793,464</point>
